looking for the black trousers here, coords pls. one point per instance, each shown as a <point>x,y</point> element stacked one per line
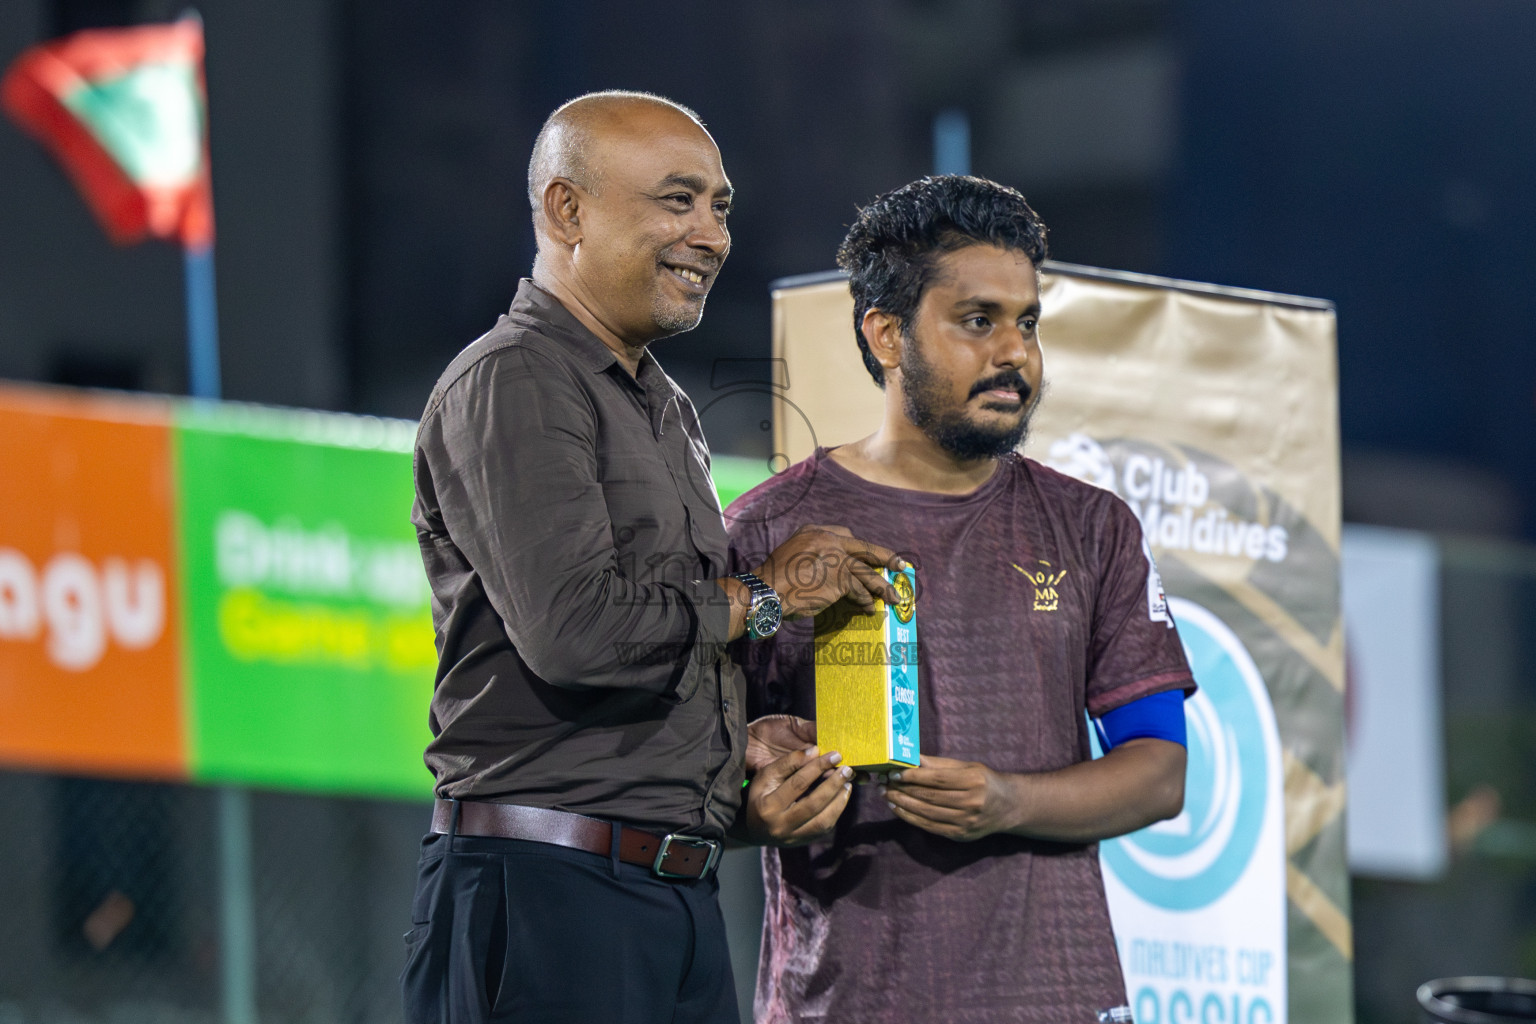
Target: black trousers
<point>510,930</point>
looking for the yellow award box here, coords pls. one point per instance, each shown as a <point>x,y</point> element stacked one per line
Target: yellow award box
<point>866,681</point>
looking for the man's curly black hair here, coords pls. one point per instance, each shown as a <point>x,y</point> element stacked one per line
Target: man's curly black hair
<point>891,250</point>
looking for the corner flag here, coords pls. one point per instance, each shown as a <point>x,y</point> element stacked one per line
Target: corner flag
<point>125,111</point>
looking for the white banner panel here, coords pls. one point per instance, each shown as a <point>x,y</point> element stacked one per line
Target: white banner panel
<point>1396,746</point>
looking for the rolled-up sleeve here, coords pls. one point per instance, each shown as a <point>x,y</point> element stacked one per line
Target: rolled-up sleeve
<point>511,451</point>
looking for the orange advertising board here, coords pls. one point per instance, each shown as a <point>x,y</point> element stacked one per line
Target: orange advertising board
<point>90,673</point>
<point>215,592</point>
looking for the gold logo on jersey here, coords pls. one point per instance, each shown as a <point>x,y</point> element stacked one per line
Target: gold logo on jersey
<point>1047,597</point>
<point>908,603</point>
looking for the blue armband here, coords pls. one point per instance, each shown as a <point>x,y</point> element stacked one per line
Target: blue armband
<point>1159,716</point>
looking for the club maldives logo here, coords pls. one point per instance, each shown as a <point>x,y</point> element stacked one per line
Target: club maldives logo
<point>1194,859</point>
<point>1185,501</point>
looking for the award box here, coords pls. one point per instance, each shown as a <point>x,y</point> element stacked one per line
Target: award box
<point>866,680</point>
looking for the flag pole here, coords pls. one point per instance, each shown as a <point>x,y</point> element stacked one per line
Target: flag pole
<point>202,322</point>
<point>237,917</point>
<point>40,90</point>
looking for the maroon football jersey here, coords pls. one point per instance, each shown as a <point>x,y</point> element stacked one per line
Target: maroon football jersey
<point>1036,601</point>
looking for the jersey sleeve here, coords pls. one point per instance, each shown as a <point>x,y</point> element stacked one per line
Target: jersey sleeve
<point>1134,647</point>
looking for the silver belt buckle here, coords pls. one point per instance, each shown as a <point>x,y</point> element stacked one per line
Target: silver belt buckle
<point>695,842</point>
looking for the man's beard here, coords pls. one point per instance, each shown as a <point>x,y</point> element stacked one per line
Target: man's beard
<point>922,392</point>
<point>676,317</point>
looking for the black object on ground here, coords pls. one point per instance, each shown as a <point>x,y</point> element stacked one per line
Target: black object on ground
<point>1478,1000</point>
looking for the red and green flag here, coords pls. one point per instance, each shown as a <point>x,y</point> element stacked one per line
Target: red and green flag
<point>125,111</point>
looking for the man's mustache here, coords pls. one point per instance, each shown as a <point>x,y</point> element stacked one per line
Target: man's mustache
<point>1009,380</point>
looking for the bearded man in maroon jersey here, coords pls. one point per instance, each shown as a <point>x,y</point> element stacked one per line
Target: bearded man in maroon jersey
<point>968,889</point>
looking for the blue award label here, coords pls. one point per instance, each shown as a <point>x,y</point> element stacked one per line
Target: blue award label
<point>901,627</point>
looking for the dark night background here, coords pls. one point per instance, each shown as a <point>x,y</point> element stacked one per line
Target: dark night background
<point>369,161</point>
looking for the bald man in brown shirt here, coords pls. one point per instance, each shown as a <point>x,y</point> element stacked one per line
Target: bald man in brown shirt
<point>589,738</point>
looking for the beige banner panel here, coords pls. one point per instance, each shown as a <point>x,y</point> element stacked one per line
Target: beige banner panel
<point>827,398</point>
<point>1244,376</point>
<point>1213,412</point>
<point>1247,375</point>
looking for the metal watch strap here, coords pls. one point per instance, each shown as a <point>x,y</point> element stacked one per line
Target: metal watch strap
<point>756,587</point>
<point>760,592</point>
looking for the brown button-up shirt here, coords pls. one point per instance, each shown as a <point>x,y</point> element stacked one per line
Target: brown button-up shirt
<point>571,534</point>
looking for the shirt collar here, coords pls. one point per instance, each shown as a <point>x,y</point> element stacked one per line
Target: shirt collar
<point>588,347</point>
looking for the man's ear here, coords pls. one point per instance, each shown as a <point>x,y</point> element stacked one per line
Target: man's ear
<point>882,333</point>
<point>562,211</point>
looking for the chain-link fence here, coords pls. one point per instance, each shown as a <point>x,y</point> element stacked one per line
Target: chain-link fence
<point>153,903</point>
<point>120,905</point>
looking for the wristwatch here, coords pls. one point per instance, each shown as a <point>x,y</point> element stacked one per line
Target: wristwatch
<point>766,612</point>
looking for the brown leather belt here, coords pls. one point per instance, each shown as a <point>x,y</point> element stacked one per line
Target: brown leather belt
<point>670,856</point>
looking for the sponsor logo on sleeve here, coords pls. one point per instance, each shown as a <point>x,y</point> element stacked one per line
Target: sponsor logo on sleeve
<point>1157,598</point>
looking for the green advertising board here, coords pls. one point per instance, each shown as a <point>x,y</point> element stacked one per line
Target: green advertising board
<point>309,653</point>
<point>308,624</point>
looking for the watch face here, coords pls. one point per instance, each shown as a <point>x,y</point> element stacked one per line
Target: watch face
<point>765,617</point>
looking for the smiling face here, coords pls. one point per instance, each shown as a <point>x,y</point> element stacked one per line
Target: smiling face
<point>970,369</point>
<point>653,234</point>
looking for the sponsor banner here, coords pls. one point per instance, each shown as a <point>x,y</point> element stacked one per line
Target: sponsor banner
<point>734,476</point>
<point>90,672</point>
<point>216,592</point>
<point>309,628</point>
<point>1199,901</point>
<point>213,592</point>
<point>1213,413</point>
